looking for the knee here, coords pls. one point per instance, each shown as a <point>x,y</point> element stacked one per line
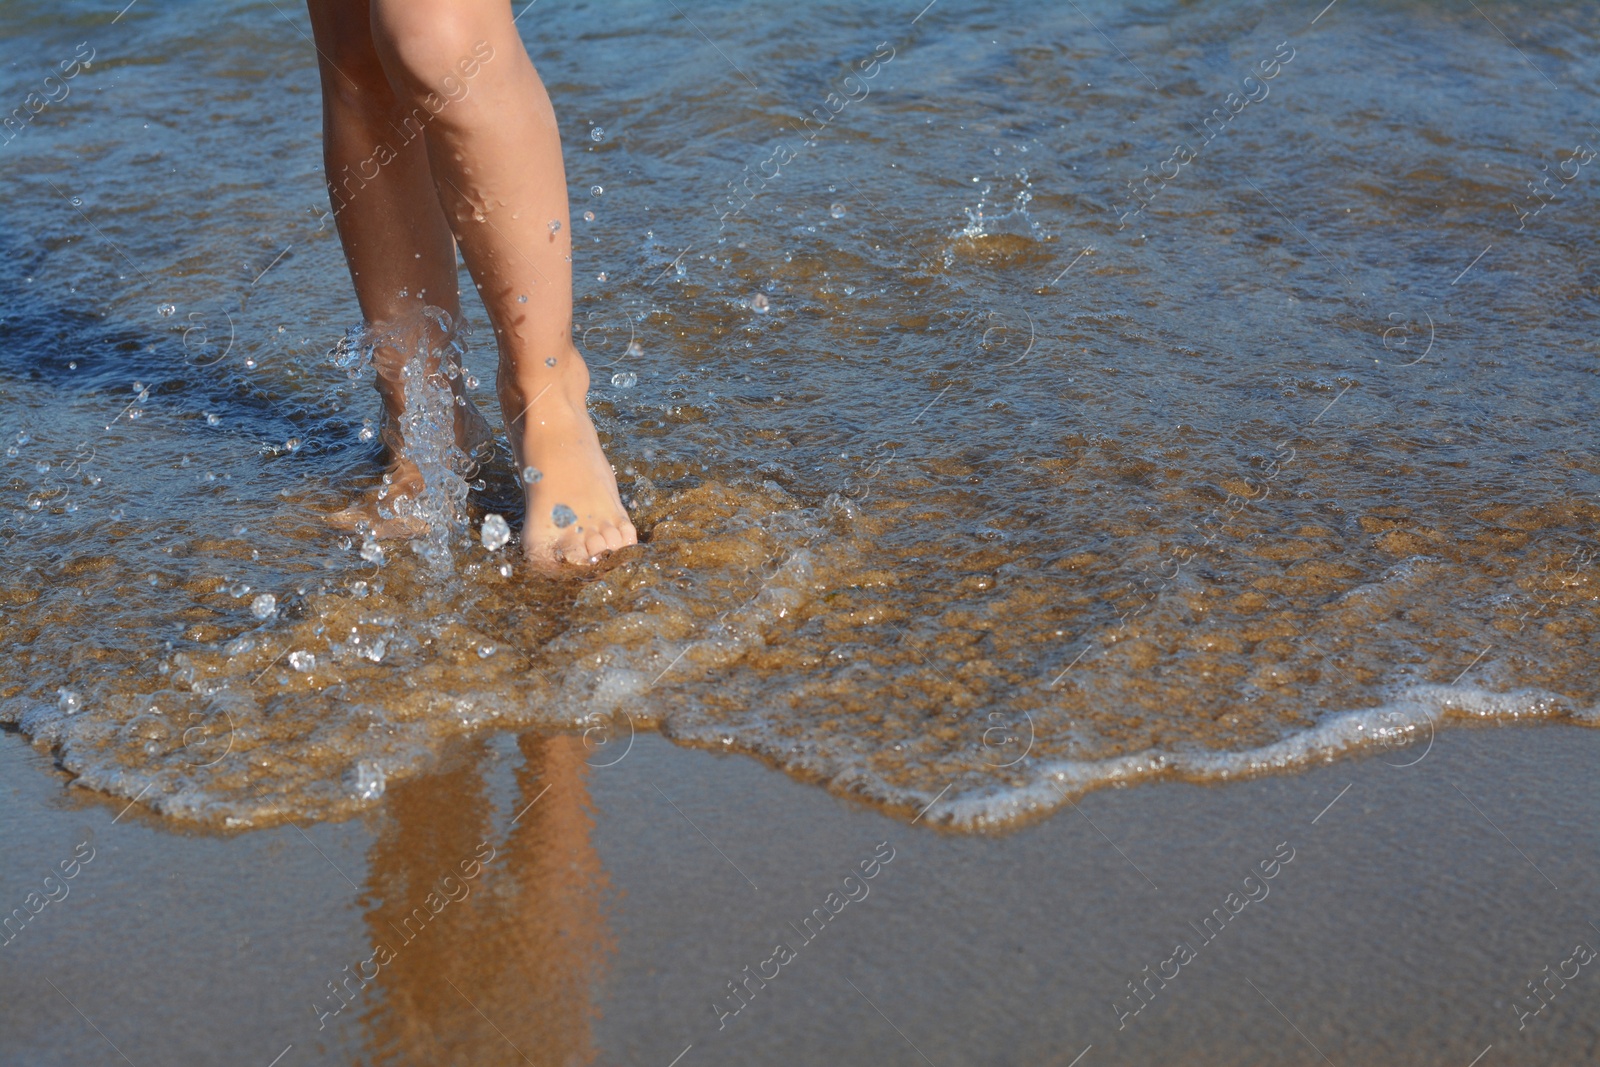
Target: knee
<point>431,49</point>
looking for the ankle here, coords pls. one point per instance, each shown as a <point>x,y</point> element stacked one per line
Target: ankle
<point>529,374</point>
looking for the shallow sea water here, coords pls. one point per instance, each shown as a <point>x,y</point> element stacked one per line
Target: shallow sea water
<point>966,483</point>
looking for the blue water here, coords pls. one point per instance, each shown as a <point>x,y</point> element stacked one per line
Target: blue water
<point>1085,393</point>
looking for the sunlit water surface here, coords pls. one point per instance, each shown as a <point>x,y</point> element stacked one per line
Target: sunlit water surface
<point>954,487</point>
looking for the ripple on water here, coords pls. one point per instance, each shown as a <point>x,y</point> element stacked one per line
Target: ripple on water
<point>950,487</point>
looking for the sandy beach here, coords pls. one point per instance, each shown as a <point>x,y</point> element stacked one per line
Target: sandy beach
<point>1117,501</point>
<point>1418,904</point>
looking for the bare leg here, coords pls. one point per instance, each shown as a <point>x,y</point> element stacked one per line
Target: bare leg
<point>399,247</point>
<point>495,155</point>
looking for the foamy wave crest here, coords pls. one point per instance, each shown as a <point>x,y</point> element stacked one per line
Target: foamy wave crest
<point>1403,725</point>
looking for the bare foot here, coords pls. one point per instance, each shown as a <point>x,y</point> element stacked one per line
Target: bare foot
<point>574,512</point>
<point>376,510</point>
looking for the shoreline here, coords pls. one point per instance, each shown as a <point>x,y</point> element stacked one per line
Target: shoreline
<point>625,901</point>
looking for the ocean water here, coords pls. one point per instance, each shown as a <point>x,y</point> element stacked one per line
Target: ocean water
<point>1014,399</point>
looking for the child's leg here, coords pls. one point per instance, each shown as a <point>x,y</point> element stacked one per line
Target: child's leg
<point>496,161</point>
<point>395,236</point>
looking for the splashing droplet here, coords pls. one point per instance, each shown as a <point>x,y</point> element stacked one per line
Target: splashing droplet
<point>69,702</point>
<point>597,134</point>
<point>523,299</point>
<point>563,516</point>
<point>837,211</point>
<point>588,216</point>
<point>596,190</point>
<point>366,780</point>
<point>495,532</point>
<point>263,606</point>
<point>302,661</point>
<point>555,224</point>
<point>551,362</point>
<point>166,310</point>
<point>625,379</point>
<point>760,302</point>
<point>635,348</point>
<point>531,475</point>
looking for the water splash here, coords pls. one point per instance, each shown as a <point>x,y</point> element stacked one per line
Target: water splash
<point>416,360</point>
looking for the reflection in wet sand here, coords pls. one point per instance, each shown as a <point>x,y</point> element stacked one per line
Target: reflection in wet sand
<point>503,972</point>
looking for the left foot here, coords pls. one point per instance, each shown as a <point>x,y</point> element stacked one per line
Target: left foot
<point>574,512</point>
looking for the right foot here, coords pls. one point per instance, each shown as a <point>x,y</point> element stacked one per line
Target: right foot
<point>376,508</point>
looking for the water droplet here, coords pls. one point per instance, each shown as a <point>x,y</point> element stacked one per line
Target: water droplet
<point>367,432</point>
<point>166,310</point>
<point>588,216</point>
<point>485,651</point>
<point>69,702</point>
<point>375,651</point>
<point>602,276</point>
<point>471,381</point>
<point>596,190</point>
<point>213,420</point>
<point>302,661</point>
<point>239,645</point>
<point>366,780</point>
<point>531,475</point>
<point>239,590</point>
<point>292,444</point>
<point>555,224</point>
<point>135,414</point>
<point>760,302</point>
<point>625,379</point>
<point>635,348</point>
<point>597,134</point>
<point>522,299</point>
<point>77,201</point>
<point>263,606</point>
<point>249,364</point>
<point>505,570</point>
<point>495,532</point>
<point>837,211</point>
<point>550,362</point>
<point>563,516</point>
<point>371,551</point>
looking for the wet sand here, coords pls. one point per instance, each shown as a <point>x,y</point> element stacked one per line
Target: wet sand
<point>617,907</point>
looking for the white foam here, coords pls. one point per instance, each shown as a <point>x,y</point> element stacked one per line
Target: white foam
<point>1414,713</point>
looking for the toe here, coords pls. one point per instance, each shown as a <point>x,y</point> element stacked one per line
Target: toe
<point>595,543</point>
<point>613,536</point>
